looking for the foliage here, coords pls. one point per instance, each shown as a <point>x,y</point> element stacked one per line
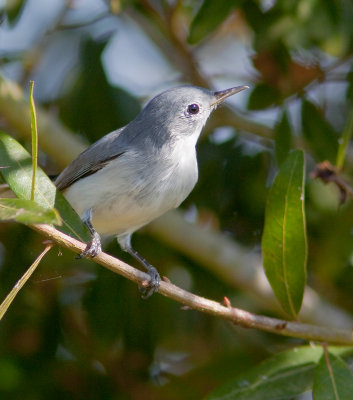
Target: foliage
<point>78,331</point>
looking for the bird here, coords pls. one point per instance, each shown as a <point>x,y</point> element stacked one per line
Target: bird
<point>136,173</point>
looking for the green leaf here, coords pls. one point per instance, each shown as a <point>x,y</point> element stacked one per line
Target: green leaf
<point>283,139</point>
<point>16,168</point>
<point>284,246</point>
<point>263,96</point>
<point>13,9</point>
<point>333,381</point>
<point>27,212</point>
<point>209,16</point>
<point>283,376</point>
<point>34,138</point>
<point>318,133</point>
<point>344,141</point>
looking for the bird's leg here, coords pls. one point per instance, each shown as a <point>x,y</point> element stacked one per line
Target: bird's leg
<point>94,246</point>
<point>155,279</point>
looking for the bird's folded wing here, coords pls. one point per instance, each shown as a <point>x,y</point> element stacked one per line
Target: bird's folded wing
<point>96,157</point>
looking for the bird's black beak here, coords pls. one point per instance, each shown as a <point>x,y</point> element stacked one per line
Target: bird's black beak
<point>223,94</point>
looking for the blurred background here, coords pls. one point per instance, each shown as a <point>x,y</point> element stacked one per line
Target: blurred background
<point>79,331</point>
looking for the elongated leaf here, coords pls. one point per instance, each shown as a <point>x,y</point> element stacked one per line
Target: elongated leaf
<point>318,133</point>
<point>19,285</point>
<point>283,139</point>
<point>344,141</point>
<point>285,375</point>
<point>13,9</point>
<point>333,381</point>
<point>16,168</point>
<point>210,15</point>
<point>27,212</point>
<point>34,138</point>
<point>270,379</point>
<point>284,247</point>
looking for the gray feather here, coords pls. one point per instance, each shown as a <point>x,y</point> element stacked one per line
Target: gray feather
<point>94,158</point>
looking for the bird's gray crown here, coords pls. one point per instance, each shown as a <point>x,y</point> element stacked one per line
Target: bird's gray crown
<point>178,111</point>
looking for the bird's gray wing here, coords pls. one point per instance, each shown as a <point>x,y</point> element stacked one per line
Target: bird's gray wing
<point>92,159</point>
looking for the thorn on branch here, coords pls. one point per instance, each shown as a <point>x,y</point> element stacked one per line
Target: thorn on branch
<point>226,302</point>
<point>328,173</point>
<point>282,325</point>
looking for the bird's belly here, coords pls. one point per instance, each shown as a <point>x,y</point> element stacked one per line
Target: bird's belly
<point>125,215</point>
<point>123,205</point>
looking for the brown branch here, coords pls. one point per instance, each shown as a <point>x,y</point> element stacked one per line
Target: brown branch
<point>235,315</point>
<point>238,266</point>
<point>328,173</point>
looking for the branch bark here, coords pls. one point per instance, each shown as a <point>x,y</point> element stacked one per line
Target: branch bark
<point>192,301</point>
<point>238,266</point>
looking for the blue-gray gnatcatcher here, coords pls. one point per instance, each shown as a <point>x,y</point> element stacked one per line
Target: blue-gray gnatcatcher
<point>136,173</point>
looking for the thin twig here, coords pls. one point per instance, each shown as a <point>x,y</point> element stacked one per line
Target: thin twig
<point>19,285</point>
<point>328,173</point>
<point>235,315</point>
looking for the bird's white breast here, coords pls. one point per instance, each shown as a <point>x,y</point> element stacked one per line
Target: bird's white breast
<point>136,188</point>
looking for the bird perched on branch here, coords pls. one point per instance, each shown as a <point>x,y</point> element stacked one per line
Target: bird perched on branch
<point>134,174</point>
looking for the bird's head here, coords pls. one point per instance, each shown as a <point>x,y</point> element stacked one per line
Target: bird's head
<point>184,110</point>
<point>179,112</point>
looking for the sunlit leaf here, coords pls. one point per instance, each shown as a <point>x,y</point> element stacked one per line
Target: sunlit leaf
<point>285,375</point>
<point>16,167</point>
<point>13,9</point>
<point>34,138</point>
<point>27,212</point>
<point>333,381</point>
<point>210,15</point>
<point>284,245</point>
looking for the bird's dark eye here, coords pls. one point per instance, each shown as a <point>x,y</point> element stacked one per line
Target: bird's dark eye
<point>193,108</point>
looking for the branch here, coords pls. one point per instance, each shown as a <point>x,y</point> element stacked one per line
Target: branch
<point>235,315</point>
<point>326,172</point>
<point>238,266</point>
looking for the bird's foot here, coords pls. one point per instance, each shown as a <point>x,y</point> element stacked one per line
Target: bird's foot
<point>147,288</point>
<point>93,247</point>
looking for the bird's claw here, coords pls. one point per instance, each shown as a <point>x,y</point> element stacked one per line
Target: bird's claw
<point>147,288</point>
<point>93,248</point>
